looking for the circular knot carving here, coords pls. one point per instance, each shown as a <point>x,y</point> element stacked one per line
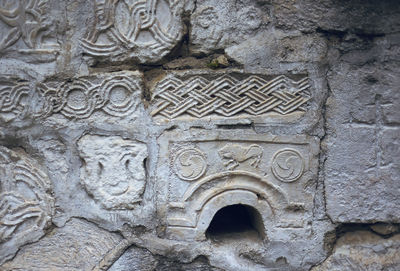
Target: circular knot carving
<point>190,164</point>
<point>287,165</point>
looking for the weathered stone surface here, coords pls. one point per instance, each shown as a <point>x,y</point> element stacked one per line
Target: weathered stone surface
<point>26,203</point>
<point>79,245</point>
<point>135,259</point>
<point>365,187</point>
<point>211,135</point>
<point>72,161</point>
<point>363,251</point>
<point>113,170</point>
<point>140,259</point>
<point>219,24</point>
<point>385,229</point>
<point>275,50</point>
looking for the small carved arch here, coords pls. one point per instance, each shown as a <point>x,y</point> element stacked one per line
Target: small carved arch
<point>237,197</point>
<point>237,180</point>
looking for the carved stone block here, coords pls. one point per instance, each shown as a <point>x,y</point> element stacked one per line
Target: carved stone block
<point>276,175</point>
<point>112,95</point>
<point>116,95</point>
<point>27,28</point>
<point>198,95</point>
<point>214,25</point>
<point>26,203</point>
<point>144,30</point>
<point>113,170</point>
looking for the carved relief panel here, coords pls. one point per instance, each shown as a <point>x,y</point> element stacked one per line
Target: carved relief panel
<point>145,30</point>
<point>114,94</point>
<point>25,26</point>
<point>113,170</point>
<point>208,170</point>
<point>197,95</point>
<point>26,202</point>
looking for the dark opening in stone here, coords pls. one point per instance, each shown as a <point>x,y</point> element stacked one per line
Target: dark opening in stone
<point>236,219</point>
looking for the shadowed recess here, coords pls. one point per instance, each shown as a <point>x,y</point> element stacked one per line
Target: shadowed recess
<point>236,219</point>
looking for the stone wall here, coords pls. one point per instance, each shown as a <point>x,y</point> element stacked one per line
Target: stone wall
<point>199,135</point>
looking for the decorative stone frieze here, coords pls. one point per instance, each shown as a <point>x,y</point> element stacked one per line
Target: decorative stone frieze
<point>116,95</point>
<point>189,96</point>
<point>13,98</point>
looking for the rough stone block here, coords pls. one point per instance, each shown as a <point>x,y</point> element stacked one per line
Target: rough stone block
<point>219,24</point>
<point>361,171</point>
<point>363,250</point>
<point>79,245</point>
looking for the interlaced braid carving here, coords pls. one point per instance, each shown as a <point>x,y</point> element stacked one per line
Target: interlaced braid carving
<point>115,95</point>
<point>228,97</point>
<point>113,36</point>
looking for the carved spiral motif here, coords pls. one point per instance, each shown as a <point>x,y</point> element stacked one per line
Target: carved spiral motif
<point>190,164</point>
<point>287,165</point>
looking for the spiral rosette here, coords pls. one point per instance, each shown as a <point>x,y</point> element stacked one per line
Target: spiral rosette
<point>190,164</point>
<point>287,165</point>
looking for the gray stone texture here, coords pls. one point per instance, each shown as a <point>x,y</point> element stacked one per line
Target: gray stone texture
<point>363,250</point>
<point>79,245</point>
<point>361,171</point>
<point>128,126</point>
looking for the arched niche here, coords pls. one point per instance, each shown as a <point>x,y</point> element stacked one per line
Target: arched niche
<point>236,197</point>
<point>236,220</point>
<point>189,218</point>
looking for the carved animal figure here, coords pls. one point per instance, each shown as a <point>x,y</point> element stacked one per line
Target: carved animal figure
<point>235,154</point>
